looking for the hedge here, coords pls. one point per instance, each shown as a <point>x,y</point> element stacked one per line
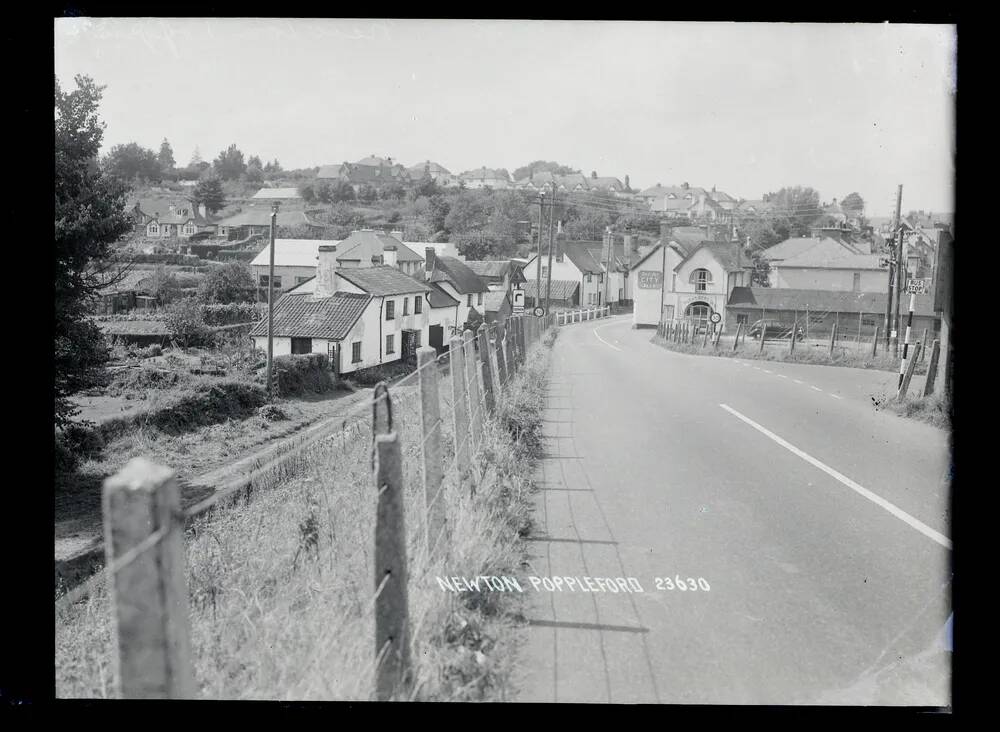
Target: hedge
<point>308,372</point>
<point>233,313</point>
<point>171,258</point>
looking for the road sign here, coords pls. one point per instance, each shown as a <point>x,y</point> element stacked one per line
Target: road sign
<point>716,318</point>
<point>650,280</point>
<point>539,312</point>
<point>918,286</point>
<point>518,302</point>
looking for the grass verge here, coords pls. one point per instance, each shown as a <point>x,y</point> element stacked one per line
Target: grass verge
<point>930,409</point>
<point>818,356</point>
<point>280,582</point>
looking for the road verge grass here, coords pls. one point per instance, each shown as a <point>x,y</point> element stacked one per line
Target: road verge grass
<point>280,582</point>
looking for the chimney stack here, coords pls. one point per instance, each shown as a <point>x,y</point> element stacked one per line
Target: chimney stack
<point>327,280</point>
<point>429,259</point>
<point>397,235</point>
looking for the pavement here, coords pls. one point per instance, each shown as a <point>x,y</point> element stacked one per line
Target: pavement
<point>809,530</point>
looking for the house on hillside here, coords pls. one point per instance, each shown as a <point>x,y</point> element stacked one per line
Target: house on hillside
<point>256,221</point>
<point>359,317</point>
<point>458,282</point>
<point>367,248</point>
<point>133,289</point>
<point>437,172</point>
<point>825,263</point>
<point>856,314</point>
<point>373,170</point>
<point>677,281</point>
<point>181,221</point>
<point>295,261</point>
<point>497,179</point>
<point>277,194</point>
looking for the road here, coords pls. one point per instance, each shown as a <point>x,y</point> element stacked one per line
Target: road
<point>818,524</point>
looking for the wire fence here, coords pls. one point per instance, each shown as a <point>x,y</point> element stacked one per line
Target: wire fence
<point>180,588</point>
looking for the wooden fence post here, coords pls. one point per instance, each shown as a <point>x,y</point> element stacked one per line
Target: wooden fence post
<point>833,338</point>
<point>472,384</point>
<point>875,342</point>
<point>501,362</point>
<point>460,407</point>
<point>430,415</point>
<point>392,643</point>
<point>736,340</point>
<point>910,367</point>
<point>487,369</point>
<point>704,341</point>
<point>508,343</point>
<point>149,595</point>
<point>923,346</point>
<point>763,336</point>
<point>932,365</point>
<point>791,344</point>
<point>718,333</point>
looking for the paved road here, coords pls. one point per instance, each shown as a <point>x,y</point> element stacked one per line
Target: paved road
<point>818,524</point>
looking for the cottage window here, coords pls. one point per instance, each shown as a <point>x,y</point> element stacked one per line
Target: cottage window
<point>390,344</point>
<point>418,304</point>
<point>479,299</point>
<point>701,279</point>
<point>390,309</point>
<point>742,318</point>
<point>470,299</point>
<point>300,280</point>
<point>276,282</point>
<point>301,345</point>
<point>545,272</point>
<point>356,352</point>
<point>868,322</point>
<point>406,306</point>
<point>589,277</point>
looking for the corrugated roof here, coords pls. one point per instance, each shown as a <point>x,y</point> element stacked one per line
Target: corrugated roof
<point>463,279</point>
<point>780,298</point>
<point>561,289</point>
<point>301,316</point>
<point>292,252</point>
<point>361,246</point>
<point>277,193</point>
<point>382,280</point>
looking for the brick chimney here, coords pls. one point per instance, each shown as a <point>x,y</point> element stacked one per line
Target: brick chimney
<point>202,211</point>
<point>429,260</point>
<point>327,281</point>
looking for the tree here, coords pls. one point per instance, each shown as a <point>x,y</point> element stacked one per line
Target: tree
<point>230,164</point>
<point>133,162</point>
<point>209,191</point>
<point>437,213</point>
<point>367,193</point>
<point>166,156</point>
<point>341,191</point>
<point>195,158</point>
<point>254,174</point>
<point>186,322</point>
<point>254,160</point>
<point>427,186</point>
<point>543,166</point>
<point>799,206</point>
<point>273,168</point>
<point>467,213</point>
<point>164,286</point>
<point>232,282</point>
<point>391,192</point>
<point>761,274</point>
<point>90,215</point>
<point>853,204</point>
<point>308,192</point>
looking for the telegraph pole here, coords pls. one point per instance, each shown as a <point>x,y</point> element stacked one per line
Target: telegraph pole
<point>893,270</point>
<point>270,305</point>
<point>900,276</point>
<point>607,266</point>
<point>548,281</point>
<point>538,255</point>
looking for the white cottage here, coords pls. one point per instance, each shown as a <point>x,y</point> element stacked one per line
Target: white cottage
<point>677,282</point>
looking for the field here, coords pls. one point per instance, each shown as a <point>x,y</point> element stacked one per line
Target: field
<point>294,622</point>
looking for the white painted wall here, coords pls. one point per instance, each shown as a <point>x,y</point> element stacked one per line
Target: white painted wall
<point>287,275</point>
<point>817,278</point>
<point>646,301</point>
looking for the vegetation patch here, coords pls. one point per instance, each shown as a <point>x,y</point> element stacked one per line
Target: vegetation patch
<point>304,373</point>
<point>385,372</point>
<point>931,409</point>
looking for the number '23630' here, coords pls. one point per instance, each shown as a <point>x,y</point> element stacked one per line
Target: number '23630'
<point>679,583</point>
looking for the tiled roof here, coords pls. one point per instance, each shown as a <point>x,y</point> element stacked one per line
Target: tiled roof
<point>775,298</point>
<point>433,169</point>
<point>438,298</point>
<point>292,253</point>
<point>792,247</point>
<point>561,289</point>
<point>604,182</point>
<point>277,193</point>
<point>579,253</point>
<point>301,316</point>
<point>725,253</point>
<point>329,171</point>
<point>814,258</point>
<point>382,280</point>
<point>816,251</point>
<point>463,279</point>
<point>489,267</point>
<point>138,280</point>
<point>494,301</point>
<point>262,217</point>
<point>361,246</point>
<point>485,174</point>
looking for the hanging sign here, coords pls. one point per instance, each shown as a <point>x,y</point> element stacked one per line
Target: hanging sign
<point>649,280</point>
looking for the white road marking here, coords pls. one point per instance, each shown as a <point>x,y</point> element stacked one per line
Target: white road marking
<point>768,372</point>
<point>796,381</point>
<point>609,345</point>
<point>781,376</point>
<point>877,500</point>
<point>836,397</point>
<point>815,388</point>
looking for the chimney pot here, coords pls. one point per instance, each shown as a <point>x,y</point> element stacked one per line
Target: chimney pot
<point>327,281</point>
<point>429,259</point>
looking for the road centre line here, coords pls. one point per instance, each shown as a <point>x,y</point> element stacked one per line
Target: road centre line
<point>796,381</point>
<point>609,345</point>
<point>815,388</point>
<point>836,397</point>
<point>877,500</point>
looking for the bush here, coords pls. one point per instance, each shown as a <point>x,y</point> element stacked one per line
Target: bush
<point>271,413</point>
<point>187,323</point>
<point>386,372</point>
<point>233,313</point>
<point>309,372</point>
<point>233,282</point>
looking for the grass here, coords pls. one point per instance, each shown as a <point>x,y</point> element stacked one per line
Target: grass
<point>280,583</point>
<point>778,351</point>
<point>932,409</point>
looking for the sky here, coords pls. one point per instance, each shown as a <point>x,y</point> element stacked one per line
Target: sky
<point>745,107</point>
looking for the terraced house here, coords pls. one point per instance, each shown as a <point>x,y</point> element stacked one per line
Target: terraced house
<point>373,170</point>
<point>179,221</point>
<point>454,279</point>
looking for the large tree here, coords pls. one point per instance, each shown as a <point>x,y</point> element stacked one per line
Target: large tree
<point>543,166</point>
<point>166,156</point>
<point>90,215</point>
<point>799,206</point>
<point>131,162</point>
<point>232,282</point>
<point>230,164</point>
<point>209,191</point>
<point>853,204</point>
